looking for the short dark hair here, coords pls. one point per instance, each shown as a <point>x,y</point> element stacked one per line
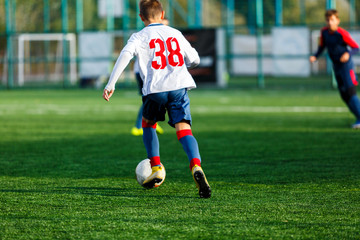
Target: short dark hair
<point>149,9</point>
<point>331,12</point>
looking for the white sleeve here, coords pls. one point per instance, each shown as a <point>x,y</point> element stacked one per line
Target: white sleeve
<point>192,58</point>
<point>121,63</point>
<point>194,63</point>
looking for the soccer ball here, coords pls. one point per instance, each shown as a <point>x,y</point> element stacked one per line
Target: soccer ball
<point>143,171</point>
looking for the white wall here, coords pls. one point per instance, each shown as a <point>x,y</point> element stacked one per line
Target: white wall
<point>286,50</point>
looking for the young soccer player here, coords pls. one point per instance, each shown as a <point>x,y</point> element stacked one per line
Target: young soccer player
<point>337,40</point>
<point>164,55</point>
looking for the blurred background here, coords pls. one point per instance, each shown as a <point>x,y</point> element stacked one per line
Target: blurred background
<point>242,43</point>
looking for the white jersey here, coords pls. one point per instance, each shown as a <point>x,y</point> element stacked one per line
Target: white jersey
<point>164,56</point>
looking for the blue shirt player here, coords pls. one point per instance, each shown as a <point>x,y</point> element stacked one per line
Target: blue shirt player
<point>337,42</point>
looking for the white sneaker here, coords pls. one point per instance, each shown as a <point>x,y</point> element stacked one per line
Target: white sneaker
<point>356,125</point>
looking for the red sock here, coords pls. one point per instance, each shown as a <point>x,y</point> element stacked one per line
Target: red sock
<point>182,133</point>
<point>145,125</point>
<point>155,161</point>
<point>195,161</point>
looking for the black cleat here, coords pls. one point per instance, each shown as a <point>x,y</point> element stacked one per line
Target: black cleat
<point>156,178</point>
<point>201,182</point>
<point>152,183</point>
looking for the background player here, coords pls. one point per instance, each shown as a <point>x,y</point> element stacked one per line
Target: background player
<point>137,129</point>
<point>337,40</point>
<point>164,55</point>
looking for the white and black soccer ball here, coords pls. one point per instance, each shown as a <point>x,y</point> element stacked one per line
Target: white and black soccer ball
<point>143,171</point>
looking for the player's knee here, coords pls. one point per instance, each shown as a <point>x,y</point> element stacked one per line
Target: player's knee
<point>347,94</point>
<point>183,124</point>
<point>148,123</point>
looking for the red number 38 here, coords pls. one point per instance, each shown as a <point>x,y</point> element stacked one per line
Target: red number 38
<point>170,42</point>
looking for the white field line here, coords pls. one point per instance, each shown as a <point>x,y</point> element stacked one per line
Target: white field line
<point>41,109</point>
<point>268,109</point>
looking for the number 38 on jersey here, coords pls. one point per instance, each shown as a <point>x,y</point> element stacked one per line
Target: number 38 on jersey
<point>168,51</point>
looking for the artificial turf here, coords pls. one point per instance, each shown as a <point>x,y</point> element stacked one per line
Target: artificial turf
<point>281,164</point>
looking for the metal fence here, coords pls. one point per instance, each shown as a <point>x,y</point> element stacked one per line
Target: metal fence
<point>41,40</point>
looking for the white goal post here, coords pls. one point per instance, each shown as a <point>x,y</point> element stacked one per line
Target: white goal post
<point>70,37</point>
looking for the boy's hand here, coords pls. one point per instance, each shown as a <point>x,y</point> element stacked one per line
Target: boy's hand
<point>107,94</point>
<point>345,57</point>
<point>312,59</point>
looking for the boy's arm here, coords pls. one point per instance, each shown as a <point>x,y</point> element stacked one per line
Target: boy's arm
<point>349,41</point>
<point>314,57</point>
<point>320,49</point>
<point>121,63</point>
<point>192,58</point>
<point>194,63</point>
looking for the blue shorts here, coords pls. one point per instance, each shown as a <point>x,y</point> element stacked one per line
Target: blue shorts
<point>176,103</point>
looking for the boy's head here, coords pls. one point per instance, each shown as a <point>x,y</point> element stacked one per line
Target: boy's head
<point>332,19</point>
<point>151,10</point>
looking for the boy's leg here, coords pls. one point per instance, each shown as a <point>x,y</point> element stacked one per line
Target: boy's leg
<point>354,105</point>
<point>151,143</point>
<point>354,102</point>
<point>153,111</point>
<point>346,96</point>
<point>139,118</point>
<point>347,86</point>
<point>137,129</point>
<point>180,117</point>
<point>190,145</point>
<point>178,108</point>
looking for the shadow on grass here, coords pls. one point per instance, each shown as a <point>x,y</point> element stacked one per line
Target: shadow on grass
<point>253,157</point>
<point>127,192</point>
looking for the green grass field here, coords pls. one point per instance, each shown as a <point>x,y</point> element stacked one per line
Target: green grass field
<point>281,164</point>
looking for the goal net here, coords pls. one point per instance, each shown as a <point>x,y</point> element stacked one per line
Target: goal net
<point>46,58</point>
